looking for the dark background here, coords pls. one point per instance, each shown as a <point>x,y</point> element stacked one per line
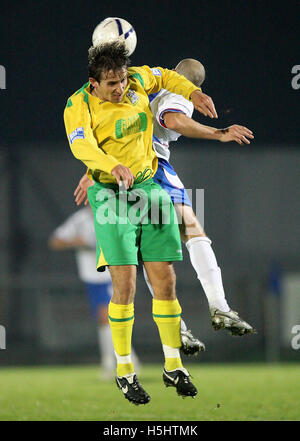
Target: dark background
<point>248,48</point>
<point>252,197</point>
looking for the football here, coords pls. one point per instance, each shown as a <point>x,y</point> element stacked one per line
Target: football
<point>114,28</point>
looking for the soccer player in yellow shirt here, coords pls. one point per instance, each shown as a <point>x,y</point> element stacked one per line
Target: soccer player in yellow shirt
<point>109,127</point>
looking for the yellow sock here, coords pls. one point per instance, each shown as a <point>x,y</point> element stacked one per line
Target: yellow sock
<point>167,316</point>
<point>121,318</point>
<point>172,363</point>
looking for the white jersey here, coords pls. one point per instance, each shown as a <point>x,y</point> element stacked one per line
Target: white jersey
<point>161,103</point>
<point>81,225</point>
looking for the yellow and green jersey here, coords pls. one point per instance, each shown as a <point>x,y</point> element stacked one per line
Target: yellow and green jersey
<point>103,134</point>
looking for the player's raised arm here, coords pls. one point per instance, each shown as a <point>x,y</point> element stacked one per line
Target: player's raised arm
<point>194,71</point>
<point>186,126</point>
<point>157,78</point>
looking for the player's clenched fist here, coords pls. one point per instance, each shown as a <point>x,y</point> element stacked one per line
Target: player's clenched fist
<point>237,133</point>
<point>123,176</point>
<point>204,104</point>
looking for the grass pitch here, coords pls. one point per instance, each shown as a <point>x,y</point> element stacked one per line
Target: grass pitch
<point>252,392</point>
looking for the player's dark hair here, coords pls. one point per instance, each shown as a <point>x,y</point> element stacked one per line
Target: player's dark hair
<point>105,57</point>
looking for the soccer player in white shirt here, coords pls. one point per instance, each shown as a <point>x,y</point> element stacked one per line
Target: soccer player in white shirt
<point>172,116</point>
<point>77,232</point>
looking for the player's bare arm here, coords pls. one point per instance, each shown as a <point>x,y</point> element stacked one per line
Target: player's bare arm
<point>204,104</point>
<point>186,126</point>
<point>58,244</point>
<point>80,192</point>
<point>239,134</point>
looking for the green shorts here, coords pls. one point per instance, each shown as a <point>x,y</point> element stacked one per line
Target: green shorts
<point>137,224</point>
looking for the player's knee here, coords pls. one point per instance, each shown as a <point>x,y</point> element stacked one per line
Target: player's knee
<point>128,288</point>
<point>124,292</point>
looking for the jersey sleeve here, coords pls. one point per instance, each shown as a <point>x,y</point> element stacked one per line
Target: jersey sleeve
<point>157,78</point>
<point>82,142</point>
<point>170,102</point>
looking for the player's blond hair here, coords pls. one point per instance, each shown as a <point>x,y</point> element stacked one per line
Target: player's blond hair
<point>192,70</point>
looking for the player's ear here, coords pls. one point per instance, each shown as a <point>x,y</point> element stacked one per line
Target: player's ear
<point>93,82</point>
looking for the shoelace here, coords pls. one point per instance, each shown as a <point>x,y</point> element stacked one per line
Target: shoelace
<point>135,386</point>
<point>185,379</point>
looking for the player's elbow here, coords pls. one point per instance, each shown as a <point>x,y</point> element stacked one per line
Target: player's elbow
<point>172,125</point>
<point>173,121</point>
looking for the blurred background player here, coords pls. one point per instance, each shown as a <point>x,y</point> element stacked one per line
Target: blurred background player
<point>78,233</point>
<point>172,118</point>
